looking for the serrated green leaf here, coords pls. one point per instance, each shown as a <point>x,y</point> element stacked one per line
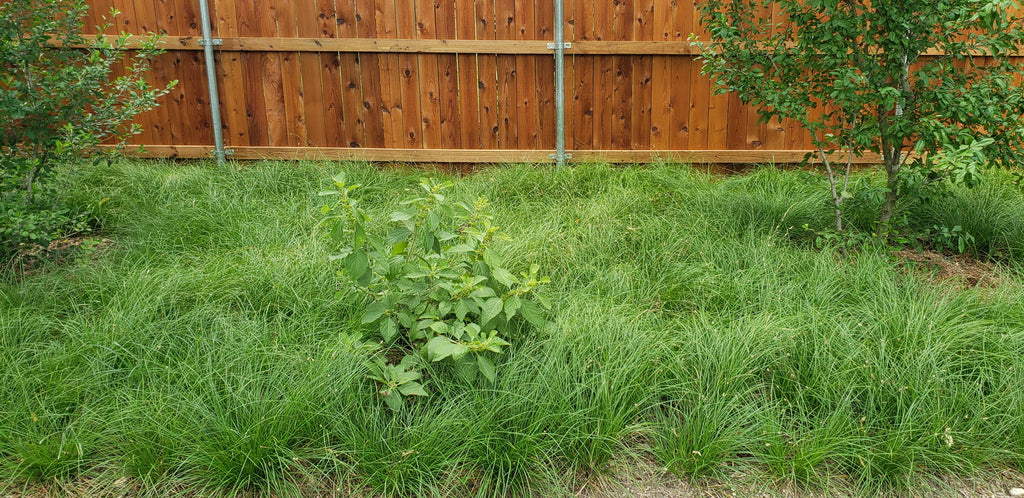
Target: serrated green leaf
<point>490,309</point>
<point>399,248</point>
<point>440,348</point>
<point>483,292</point>
<point>412,389</point>
<point>491,258</point>
<point>512,306</point>
<point>433,220</point>
<point>532,313</point>
<point>459,351</point>
<point>389,329</point>
<point>502,276</point>
<point>394,400</point>
<point>461,309</point>
<point>443,308</point>
<point>338,232</point>
<point>396,235</point>
<point>401,216</point>
<point>486,367</point>
<point>356,264</point>
<point>373,312</point>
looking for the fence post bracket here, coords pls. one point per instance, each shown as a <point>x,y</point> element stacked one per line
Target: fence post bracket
<point>213,42</point>
<point>564,46</point>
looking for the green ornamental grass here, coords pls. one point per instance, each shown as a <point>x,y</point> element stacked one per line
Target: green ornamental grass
<point>210,346</point>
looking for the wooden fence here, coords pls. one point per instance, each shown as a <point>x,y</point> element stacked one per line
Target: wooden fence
<point>443,81</point>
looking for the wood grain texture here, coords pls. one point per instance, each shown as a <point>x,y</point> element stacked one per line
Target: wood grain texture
<point>604,77</point>
<point>438,46</point>
<point>370,83</point>
<point>490,155</point>
<point>311,89</point>
<point>487,79</point>
<point>508,112</point>
<point>527,85</point>
<point>350,74</point>
<point>582,88</point>
<point>448,77</point>
<point>468,78</point>
<point>429,78</point>
<point>643,77</point>
<point>444,75</point>
<point>409,80</point>
<point>622,81</point>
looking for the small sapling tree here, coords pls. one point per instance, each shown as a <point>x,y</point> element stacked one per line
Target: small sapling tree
<point>916,81</point>
<point>58,100</point>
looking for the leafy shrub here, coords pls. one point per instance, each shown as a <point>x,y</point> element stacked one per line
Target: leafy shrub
<point>58,101</point>
<point>437,290</point>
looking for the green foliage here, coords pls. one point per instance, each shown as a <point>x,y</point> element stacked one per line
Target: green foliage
<point>195,355</point>
<point>57,103</point>
<point>856,75</point>
<point>438,290</point>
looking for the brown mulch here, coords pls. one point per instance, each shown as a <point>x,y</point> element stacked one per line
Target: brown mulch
<point>31,258</point>
<point>957,269</point>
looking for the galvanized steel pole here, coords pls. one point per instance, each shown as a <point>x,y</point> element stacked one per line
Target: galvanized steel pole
<point>560,46</point>
<point>211,79</point>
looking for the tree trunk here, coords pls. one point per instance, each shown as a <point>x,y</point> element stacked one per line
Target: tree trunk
<point>892,152</point>
<point>892,170</point>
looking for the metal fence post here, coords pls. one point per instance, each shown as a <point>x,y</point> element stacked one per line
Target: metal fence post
<point>560,46</point>
<point>211,79</point>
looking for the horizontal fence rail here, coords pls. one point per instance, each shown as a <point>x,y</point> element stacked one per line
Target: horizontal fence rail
<point>443,81</point>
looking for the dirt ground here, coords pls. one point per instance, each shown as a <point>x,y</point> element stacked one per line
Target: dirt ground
<point>644,479</point>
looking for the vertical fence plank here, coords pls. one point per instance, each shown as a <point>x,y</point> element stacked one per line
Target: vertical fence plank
<point>604,77</point>
<point>230,79</point>
<point>272,74</point>
<point>370,84</point>
<point>427,65</point>
<point>330,79</point>
<point>291,78</point>
<point>544,94</point>
<point>412,137</point>
<point>699,95</point>
<point>448,81</point>
<point>350,73</point>
<point>736,123</point>
<point>311,89</point>
<point>487,76</point>
<point>661,77</point>
<point>130,22</point>
<point>643,72</point>
<point>508,116</point>
<point>622,81</point>
<point>468,76</point>
<point>390,79</point>
<point>166,67</point>
<point>584,70</point>
<point>528,124</point>
<point>197,127</point>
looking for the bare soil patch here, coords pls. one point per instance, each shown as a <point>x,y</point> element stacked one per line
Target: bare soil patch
<point>960,270</point>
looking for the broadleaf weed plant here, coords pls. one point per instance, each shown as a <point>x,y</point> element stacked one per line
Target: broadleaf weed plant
<point>437,289</point>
